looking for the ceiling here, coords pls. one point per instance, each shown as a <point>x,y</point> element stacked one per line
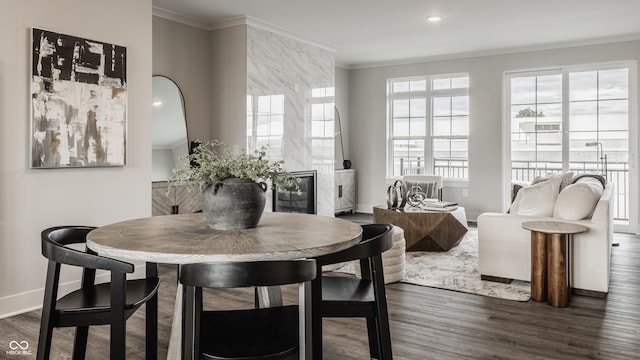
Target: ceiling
<point>373,32</point>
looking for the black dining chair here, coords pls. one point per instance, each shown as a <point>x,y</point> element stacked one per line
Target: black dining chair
<point>94,304</point>
<point>341,296</point>
<point>256,333</point>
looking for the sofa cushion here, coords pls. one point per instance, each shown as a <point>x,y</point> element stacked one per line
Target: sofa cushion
<point>577,201</point>
<point>594,176</point>
<point>566,178</point>
<point>538,199</point>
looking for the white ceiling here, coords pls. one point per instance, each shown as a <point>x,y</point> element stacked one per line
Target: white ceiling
<point>368,32</point>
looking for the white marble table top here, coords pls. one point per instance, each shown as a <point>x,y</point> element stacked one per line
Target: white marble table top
<point>186,238</point>
<point>554,227</point>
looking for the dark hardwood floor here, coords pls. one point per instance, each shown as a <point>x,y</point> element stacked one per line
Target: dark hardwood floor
<point>426,323</point>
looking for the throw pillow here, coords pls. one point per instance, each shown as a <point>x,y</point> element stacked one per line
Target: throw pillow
<point>538,199</point>
<point>593,176</point>
<point>566,178</point>
<point>578,201</point>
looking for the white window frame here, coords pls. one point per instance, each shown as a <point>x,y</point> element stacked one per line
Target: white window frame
<point>633,226</point>
<point>428,94</point>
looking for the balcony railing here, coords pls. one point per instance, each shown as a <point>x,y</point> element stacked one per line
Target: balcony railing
<point>617,173</point>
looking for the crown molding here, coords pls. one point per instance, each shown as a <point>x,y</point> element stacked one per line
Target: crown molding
<point>247,20</point>
<point>173,16</point>
<point>504,51</point>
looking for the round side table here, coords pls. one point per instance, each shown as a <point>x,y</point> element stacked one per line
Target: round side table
<point>550,260</point>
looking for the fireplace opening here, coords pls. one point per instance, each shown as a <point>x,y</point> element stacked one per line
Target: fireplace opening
<point>288,200</point>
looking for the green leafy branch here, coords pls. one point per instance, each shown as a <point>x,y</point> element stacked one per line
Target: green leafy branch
<point>214,161</point>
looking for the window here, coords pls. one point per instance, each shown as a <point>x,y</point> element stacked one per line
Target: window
<point>322,128</point>
<point>574,119</point>
<point>265,124</point>
<point>429,126</point>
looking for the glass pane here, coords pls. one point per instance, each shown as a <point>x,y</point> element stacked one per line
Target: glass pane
<point>523,90</point>
<point>441,126</point>
<point>549,113</point>
<point>317,129</point>
<point>460,82</point>
<point>317,111</point>
<point>401,127</point>
<point>330,91</point>
<point>418,85</point>
<point>549,88</point>
<point>583,85</point>
<point>523,146</point>
<point>407,153</point>
<point>400,86</point>
<point>441,84</point>
<point>459,105</point>
<point>442,106</point>
<point>613,84</point>
<point>401,108</point>
<point>417,107</point>
<point>583,116</point>
<point>460,126</point>
<point>459,149</point>
<point>441,148</point>
<point>613,115</point>
<point>418,126</point>
<point>329,111</point>
<point>277,127</point>
<point>264,104</point>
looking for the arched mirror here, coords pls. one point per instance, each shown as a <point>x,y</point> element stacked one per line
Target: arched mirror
<point>168,130</point>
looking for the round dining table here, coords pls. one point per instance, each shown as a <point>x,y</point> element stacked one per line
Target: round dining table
<point>187,238</point>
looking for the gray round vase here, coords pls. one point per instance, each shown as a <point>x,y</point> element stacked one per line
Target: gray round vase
<point>233,204</point>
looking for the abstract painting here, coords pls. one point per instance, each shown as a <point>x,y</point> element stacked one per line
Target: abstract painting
<point>78,102</point>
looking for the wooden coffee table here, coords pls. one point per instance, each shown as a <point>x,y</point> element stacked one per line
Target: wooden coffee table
<point>550,257</point>
<point>425,230</point>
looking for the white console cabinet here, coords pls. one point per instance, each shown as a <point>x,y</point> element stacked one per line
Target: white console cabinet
<point>345,190</point>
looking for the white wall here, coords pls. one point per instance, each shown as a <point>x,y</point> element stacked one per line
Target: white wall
<point>229,85</point>
<point>182,53</point>
<point>33,200</point>
<point>486,190</point>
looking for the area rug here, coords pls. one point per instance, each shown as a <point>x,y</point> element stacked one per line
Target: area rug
<point>456,269</point>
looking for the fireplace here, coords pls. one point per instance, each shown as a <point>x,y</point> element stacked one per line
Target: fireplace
<point>288,200</point>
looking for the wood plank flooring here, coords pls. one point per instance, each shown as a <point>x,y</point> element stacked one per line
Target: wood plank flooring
<point>426,323</point>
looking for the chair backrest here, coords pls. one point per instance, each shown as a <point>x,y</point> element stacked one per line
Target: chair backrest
<point>431,185</point>
<point>376,238</point>
<point>55,239</point>
<point>247,274</point>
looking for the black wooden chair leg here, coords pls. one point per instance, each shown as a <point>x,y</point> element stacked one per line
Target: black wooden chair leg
<point>80,342</point>
<point>316,314</point>
<point>151,329</point>
<point>374,338</point>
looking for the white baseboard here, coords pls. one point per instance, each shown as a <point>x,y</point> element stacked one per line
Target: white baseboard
<point>32,300</point>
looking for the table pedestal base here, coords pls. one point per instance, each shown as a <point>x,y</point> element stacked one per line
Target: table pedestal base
<point>550,268</point>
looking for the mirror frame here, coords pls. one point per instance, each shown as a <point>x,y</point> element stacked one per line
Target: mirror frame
<point>186,130</point>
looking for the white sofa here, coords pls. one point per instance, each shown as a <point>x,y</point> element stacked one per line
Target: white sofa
<point>504,247</point>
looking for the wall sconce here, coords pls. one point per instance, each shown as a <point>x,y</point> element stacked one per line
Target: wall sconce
<point>602,157</point>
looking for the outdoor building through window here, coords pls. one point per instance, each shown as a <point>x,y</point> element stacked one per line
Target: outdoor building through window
<point>429,126</point>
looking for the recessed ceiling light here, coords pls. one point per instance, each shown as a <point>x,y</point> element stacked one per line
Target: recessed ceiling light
<point>157,103</point>
<point>434,18</point>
